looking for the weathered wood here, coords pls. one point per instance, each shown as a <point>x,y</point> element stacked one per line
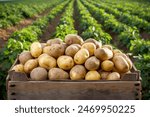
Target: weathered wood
<point>63,90</point>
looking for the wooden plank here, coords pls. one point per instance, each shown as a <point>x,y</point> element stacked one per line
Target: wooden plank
<point>54,90</point>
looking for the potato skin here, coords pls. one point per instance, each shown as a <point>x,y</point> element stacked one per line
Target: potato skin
<point>107,65</point>
<point>97,43</point>
<point>47,61</point>
<point>24,57</point>
<point>30,65</point>
<point>81,56</point>
<point>57,74</point>
<point>36,49</point>
<point>78,72</point>
<point>90,47</point>
<point>71,50</point>
<point>104,74</point>
<point>92,63</point>
<point>18,68</point>
<point>103,53</point>
<point>108,46</point>
<point>113,76</point>
<point>65,62</point>
<point>92,75</point>
<point>73,39</point>
<point>38,73</point>
<point>54,41</point>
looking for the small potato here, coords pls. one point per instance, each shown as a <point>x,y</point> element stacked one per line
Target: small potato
<point>92,75</point>
<point>77,45</point>
<point>47,61</point>
<point>104,74</point>
<point>57,74</point>
<point>18,68</point>
<point>107,65</point>
<point>78,72</point>
<point>90,47</point>
<point>36,49</point>
<point>108,46</point>
<point>73,39</point>
<point>120,64</point>
<point>113,76</point>
<point>103,54</point>
<point>43,45</point>
<point>54,41</point>
<point>30,65</point>
<point>115,51</point>
<point>65,62</point>
<point>71,50</point>
<point>81,56</point>
<point>56,50</point>
<point>24,57</point>
<point>38,73</point>
<point>92,63</point>
<point>97,43</point>
<point>46,50</point>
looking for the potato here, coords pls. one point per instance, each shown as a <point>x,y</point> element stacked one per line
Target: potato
<point>43,45</point>
<point>77,45</point>
<point>30,65</point>
<point>64,45</point>
<point>113,76</point>
<point>107,65</point>
<point>71,50</point>
<point>92,75</point>
<point>65,62</point>
<point>97,43</point>
<point>108,46</point>
<point>54,41</point>
<point>39,73</point>
<point>56,50</point>
<point>18,68</point>
<point>24,57</point>
<point>81,56</point>
<point>116,51</point>
<point>121,64</point>
<point>47,61</point>
<point>73,39</point>
<point>104,74</point>
<point>103,54</point>
<point>36,49</point>
<point>78,72</point>
<point>126,58</point>
<point>92,63</point>
<point>57,74</point>
<point>90,47</point>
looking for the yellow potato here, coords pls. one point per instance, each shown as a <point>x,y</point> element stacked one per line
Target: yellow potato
<point>43,45</point>
<point>24,57</point>
<point>73,39</point>
<point>65,62</point>
<point>54,41</point>
<point>116,51</point>
<point>81,56</point>
<point>36,49</point>
<point>108,46</point>
<point>107,65</point>
<point>78,72</point>
<point>71,50</point>
<point>18,68</point>
<point>113,76</point>
<point>104,74</point>
<point>90,47</point>
<point>97,43</point>
<point>47,61</point>
<point>92,75</point>
<point>46,50</point>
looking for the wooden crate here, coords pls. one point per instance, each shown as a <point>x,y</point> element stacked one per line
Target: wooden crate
<point>19,87</point>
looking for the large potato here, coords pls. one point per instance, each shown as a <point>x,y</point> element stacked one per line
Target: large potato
<point>24,57</point>
<point>78,72</point>
<point>38,73</point>
<point>71,50</point>
<point>18,68</point>
<point>57,74</point>
<point>56,50</point>
<point>92,63</point>
<point>97,43</point>
<point>120,64</point>
<point>36,49</point>
<point>103,54</point>
<point>65,62</point>
<point>90,47</point>
<point>54,41</point>
<point>73,39</point>
<point>92,75</point>
<point>30,65</point>
<point>47,61</point>
<point>81,56</point>
<point>113,76</point>
<point>107,65</point>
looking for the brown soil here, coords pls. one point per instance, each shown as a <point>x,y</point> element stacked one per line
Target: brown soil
<point>145,35</point>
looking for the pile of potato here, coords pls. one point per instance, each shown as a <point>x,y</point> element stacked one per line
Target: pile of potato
<point>73,59</point>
